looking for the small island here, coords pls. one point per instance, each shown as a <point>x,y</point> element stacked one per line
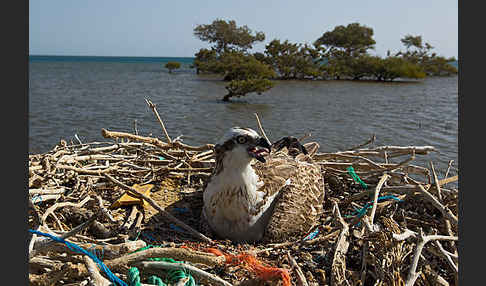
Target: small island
<point>340,54</point>
<point>172,66</point>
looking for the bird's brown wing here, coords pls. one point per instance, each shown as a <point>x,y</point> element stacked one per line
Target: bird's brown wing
<point>299,204</point>
<point>274,173</point>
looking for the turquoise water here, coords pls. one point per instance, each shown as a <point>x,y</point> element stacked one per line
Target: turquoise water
<point>48,58</point>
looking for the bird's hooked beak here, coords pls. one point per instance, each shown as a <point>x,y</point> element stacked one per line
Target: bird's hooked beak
<point>260,149</point>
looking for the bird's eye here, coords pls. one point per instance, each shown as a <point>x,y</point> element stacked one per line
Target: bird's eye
<point>241,139</point>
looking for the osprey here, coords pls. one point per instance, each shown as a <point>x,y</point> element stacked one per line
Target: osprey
<point>256,194</point>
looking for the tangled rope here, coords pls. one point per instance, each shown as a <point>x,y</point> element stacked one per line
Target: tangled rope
<point>172,275</point>
<point>362,211</point>
<point>254,265</point>
<point>113,278</point>
<point>355,176</point>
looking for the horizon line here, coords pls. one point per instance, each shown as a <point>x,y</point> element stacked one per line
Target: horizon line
<point>54,55</point>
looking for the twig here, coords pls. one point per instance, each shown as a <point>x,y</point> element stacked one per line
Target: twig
<point>436,181</point>
<point>154,109</point>
<point>154,204</point>
<point>154,141</point>
<point>377,192</point>
<point>201,274</point>
<point>446,212</point>
<point>447,257</point>
<point>181,254</point>
<point>301,281</point>
<point>338,268</point>
<point>131,218</point>
<point>64,204</point>
<point>94,274</point>
<point>261,128</point>
<point>39,246</point>
<point>135,130</point>
<point>412,274</point>
<point>370,141</point>
<point>448,168</point>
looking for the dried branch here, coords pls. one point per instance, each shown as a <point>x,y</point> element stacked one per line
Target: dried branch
<point>180,254</point>
<point>412,274</point>
<point>338,268</point>
<point>261,128</point>
<point>154,109</point>
<point>377,192</point>
<point>301,281</point>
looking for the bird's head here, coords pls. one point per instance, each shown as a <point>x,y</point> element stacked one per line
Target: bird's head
<point>243,144</point>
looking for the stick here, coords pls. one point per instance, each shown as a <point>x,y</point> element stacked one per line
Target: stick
<point>436,181</point>
<point>59,205</point>
<point>261,128</point>
<point>108,251</point>
<point>154,204</point>
<point>412,274</point>
<point>338,268</point>
<point>154,141</point>
<point>301,281</point>
<point>371,140</point>
<point>446,212</point>
<point>97,278</point>
<point>39,246</point>
<point>180,254</point>
<point>154,109</point>
<point>447,257</point>
<point>377,192</point>
<point>201,274</point>
<point>448,168</point>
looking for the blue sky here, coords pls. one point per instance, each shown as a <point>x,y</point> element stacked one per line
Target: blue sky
<point>165,28</point>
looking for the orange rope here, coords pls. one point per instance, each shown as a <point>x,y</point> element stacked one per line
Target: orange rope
<point>254,265</point>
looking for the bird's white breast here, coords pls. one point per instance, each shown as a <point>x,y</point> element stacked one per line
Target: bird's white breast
<point>231,204</point>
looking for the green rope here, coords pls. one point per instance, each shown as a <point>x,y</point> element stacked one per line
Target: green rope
<point>356,177</point>
<point>172,275</point>
<point>154,280</point>
<point>133,277</point>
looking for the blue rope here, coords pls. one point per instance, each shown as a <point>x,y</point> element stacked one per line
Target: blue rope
<point>91,255</point>
<point>312,235</point>
<point>362,211</point>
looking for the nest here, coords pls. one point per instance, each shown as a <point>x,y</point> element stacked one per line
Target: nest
<point>384,223</point>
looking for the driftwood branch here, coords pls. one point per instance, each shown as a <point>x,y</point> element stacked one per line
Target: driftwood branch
<point>181,254</point>
<point>375,199</point>
<point>301,281</point>
<point>338,268</point>
<point>154,109</point>
<point>412,274</point>
<point>94,273</point>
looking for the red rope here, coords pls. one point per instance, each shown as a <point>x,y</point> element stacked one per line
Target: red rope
<point>254,265</point>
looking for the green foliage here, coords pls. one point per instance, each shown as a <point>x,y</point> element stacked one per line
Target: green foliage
<point>352,39</point>
<point>420,54</point>
<point>242,87</point>
<point>244,72</point>
<point>203,58</point>
<point>438,66</point>
<point>292,61</point>
<point>226,36</point>
<point>172,66</point>
<point>341,54</point>
<point>412,41</point>
<point>239,66</point>
<point>362,66</point>
<point>394,67</point>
